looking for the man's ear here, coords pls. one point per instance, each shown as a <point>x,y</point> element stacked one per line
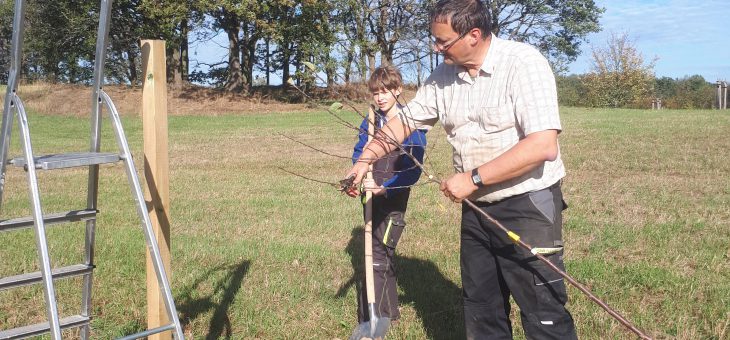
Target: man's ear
<point>477,34</point>
<point>398,91</point>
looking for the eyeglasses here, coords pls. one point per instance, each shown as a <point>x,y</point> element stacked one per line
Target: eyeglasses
<point>443,47</point>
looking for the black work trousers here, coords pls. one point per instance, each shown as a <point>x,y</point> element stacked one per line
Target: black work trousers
<point>388,224</point>
<point>493,268</point>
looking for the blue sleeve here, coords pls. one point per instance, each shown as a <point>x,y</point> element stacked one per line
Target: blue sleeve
<point>361,141</point>
<point>415,144</point>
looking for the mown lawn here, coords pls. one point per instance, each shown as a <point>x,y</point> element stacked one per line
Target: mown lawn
<point>261,254</point>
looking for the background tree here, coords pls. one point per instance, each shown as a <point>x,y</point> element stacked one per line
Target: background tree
<point>619,77</point>
<point>692,92</point>
<point>172,21</point>
<point>389,21</point>
<point>347,37</point>
<point>556,27</point>
<point>60,40</point>
<point>571,90</point>
<point>238,19</point>
<point>6,33</point>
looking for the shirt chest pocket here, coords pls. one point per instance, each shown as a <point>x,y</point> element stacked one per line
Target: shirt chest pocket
<point>494,118</point>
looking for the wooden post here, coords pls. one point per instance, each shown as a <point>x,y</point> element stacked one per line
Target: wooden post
<point>719,95</point>
<point>156,166</point>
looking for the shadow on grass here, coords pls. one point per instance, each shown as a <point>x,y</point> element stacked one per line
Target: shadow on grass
<point>436,299</point>
<point>191,305</point>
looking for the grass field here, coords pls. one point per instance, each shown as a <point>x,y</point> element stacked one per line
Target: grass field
<point>262,254</point>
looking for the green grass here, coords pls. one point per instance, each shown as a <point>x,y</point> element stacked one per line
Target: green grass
<point>261,254</point>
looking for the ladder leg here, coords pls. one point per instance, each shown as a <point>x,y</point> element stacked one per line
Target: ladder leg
<point>144,215</point>
<point>40,230</point>
<point>11,90</point>
<point>93,184</point>
<point>85,330</point>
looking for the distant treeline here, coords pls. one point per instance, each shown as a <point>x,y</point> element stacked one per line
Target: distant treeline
<point>690,92</point>
<point>345,39</point>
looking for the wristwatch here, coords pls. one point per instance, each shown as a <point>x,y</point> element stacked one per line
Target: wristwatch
<point>475,178</point>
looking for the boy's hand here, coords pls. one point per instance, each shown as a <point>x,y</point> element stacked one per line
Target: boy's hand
<point>371,186</point>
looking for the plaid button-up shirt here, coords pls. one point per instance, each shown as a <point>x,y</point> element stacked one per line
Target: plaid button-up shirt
<point>513,96</point>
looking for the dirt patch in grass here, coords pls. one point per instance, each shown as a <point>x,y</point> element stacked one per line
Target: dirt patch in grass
<point>75,100</point>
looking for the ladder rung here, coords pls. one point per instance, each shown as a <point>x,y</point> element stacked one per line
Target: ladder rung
<point>68,160</point>
<point>26,222</point>
<point>35,277</point>
<point>43,327</point>
<point>149,332</point>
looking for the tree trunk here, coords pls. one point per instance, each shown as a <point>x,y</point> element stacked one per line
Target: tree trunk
<point>419,68</point>
<point>371,63</point>
<point>184,51</point>
<point>132,67</point>
<point>235,73</point>
<point>348,64</point>
<point>363,66</point>
<point>285,59</point>
<point>175,67</point>
<point>248,51</point>
<point>267,62</point>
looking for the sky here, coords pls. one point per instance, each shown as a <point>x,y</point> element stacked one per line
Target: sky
<point>687,36</point>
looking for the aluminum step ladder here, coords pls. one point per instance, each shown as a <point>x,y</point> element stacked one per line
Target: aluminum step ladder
<point>38,221</point>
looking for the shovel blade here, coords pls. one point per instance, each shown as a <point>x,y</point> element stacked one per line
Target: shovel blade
<point>367,331</point>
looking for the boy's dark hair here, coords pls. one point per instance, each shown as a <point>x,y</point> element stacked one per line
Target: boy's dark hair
<point>385,78</point>
<point>464,15</point>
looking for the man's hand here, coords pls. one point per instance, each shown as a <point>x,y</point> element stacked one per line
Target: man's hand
<point>371,186</point>
<point>358,170</point>
<point>353,178</point>
<point>458,187</point>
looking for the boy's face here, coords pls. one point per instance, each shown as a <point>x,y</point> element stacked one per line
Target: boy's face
<point>385,99</point>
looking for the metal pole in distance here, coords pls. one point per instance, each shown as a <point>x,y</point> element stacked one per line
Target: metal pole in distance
<point>724,95</point>
<point>156,169</point>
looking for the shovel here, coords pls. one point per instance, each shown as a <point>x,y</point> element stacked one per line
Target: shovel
<point>376,327</point>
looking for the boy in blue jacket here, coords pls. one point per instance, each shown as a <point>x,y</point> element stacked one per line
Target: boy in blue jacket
<point>392,177</point>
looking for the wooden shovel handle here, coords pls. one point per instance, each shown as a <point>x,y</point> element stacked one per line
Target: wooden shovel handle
<point>369,274</point>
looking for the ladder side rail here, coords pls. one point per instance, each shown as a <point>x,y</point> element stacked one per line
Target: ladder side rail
<point>40,230</point>
<point>143,214</point>
<point>93,184</point>
<point>96,102</point>
<point>99,60</point>
<point>12,89</point>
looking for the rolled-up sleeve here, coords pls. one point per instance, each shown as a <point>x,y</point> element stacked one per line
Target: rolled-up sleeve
<point>421,113</point>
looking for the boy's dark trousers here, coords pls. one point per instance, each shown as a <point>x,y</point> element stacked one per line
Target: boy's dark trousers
<point>388,224</point>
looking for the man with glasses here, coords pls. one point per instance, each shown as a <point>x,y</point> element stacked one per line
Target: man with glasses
<point>497,102</point>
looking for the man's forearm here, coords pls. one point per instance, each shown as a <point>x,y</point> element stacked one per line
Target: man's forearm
<point>522,158</point>
<point>387,139</point>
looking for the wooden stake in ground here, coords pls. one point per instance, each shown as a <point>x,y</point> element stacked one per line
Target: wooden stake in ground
<point>156,171</point>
